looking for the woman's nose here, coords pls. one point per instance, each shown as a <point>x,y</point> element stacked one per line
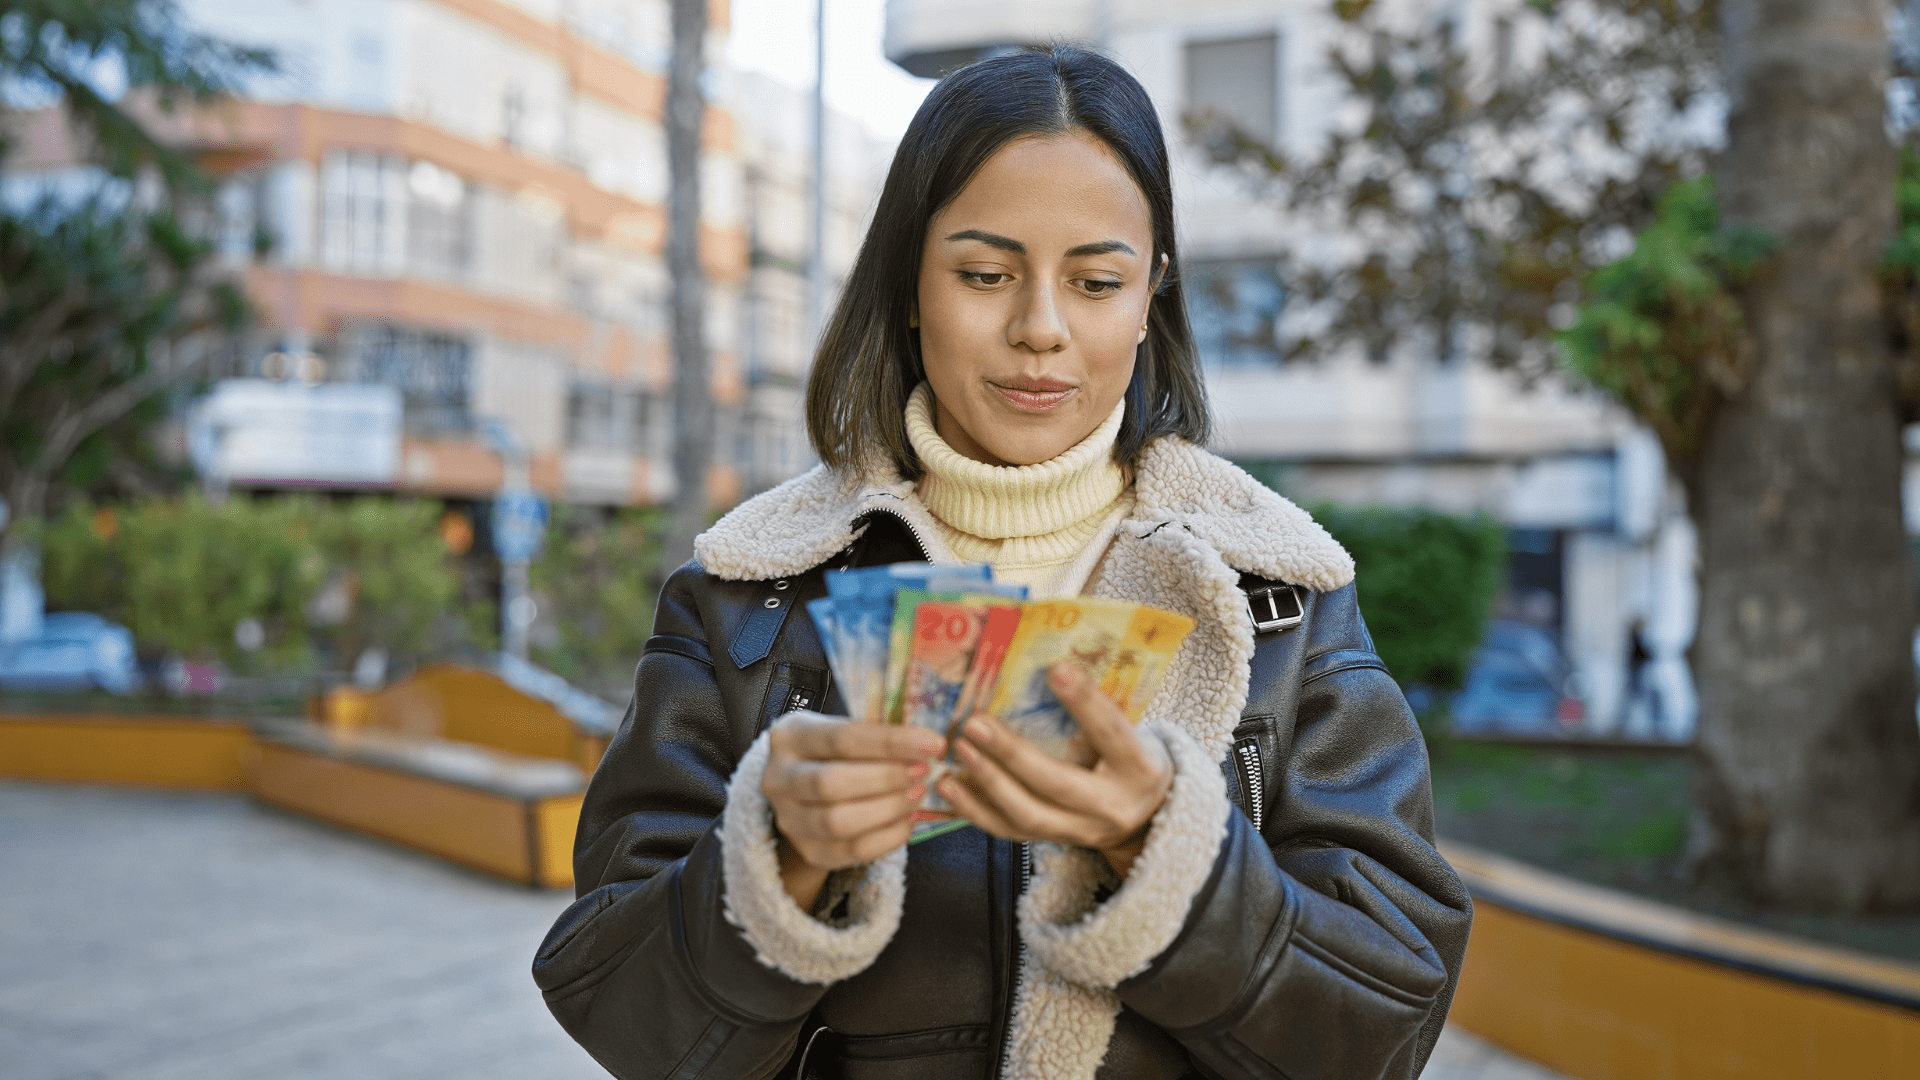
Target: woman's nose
<point>1038,323</point>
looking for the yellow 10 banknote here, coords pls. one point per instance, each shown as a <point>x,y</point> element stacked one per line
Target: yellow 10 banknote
<point>1124,648</point>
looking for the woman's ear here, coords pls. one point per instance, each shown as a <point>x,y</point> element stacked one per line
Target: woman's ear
<point>1159,277</point>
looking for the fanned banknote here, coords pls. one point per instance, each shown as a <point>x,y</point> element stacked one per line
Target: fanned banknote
<point>930,646</point>
<point>901,645</point>
<point>943,670</point>
<point>855,620</point>
<point>1124,648</point>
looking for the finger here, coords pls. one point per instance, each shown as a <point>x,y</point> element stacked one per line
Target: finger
<point>826,738</point>
<point>968,804</point>
<point>843,822</point>
<point>1013,801</point>
<point>834,853</point>
<point>1059,782</point>
<point>1102,721</point>
<point>817,782</point>
<point>871,846</point>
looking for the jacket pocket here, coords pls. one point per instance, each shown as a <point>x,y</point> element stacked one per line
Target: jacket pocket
<point>790,687</point>
<point>1249,767</point>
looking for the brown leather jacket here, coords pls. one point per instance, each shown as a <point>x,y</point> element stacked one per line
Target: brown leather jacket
<point>1324,942</point>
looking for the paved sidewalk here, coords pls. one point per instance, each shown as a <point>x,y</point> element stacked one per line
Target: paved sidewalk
<point>157,936</point>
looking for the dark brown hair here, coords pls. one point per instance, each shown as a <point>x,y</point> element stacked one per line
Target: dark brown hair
<point>869,358</point>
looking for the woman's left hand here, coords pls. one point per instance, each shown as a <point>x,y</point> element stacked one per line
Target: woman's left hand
<point>1015,791</point>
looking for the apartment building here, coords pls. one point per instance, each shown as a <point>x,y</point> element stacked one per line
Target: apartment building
<point>1603,553</point>
<point>451,215</point>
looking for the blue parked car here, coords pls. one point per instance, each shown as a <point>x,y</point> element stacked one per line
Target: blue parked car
<point>75,651</point>
<point>1517,685</point>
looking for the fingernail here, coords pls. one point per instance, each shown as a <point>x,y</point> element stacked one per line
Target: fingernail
<point>978,731</point>
<point>1065,676</point>
<point>966,753</point>
<point>948,787</point>
<point>916,793</point>
<point>932,746</point>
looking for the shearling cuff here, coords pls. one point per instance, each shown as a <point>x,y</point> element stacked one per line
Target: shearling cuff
<point>784,937</point>
<point>1101,945</point>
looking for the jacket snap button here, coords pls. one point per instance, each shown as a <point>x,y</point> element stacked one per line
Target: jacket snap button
<point>773,602</point>
<point>780,584</point>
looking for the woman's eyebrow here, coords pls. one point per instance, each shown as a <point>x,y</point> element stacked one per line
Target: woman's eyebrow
<point>1004,243</point>
<point>1007,243</point>
<point>1102,248</point>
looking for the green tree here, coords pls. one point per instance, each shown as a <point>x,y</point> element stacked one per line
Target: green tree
<point>1761,333</point>
<point>1769,326</point>
<point>108,302</point>
<point>1458,212</point>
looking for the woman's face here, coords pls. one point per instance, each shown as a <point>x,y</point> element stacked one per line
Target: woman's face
<point>1033,293</point>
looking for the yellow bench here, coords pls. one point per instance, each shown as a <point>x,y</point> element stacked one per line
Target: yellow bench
<point>505,814</point>
<point>1601,985</point>
<point>453,761</point>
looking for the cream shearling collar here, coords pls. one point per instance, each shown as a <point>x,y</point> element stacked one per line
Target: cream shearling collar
<point>801,523</point>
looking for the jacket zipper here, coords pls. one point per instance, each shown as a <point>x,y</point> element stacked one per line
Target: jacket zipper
<point>1019,956</point>
<point>1026,870</point>
<point>918,537</point>
<point>1253,780</point>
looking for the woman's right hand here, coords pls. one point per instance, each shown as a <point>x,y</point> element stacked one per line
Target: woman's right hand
<point>843,794</point>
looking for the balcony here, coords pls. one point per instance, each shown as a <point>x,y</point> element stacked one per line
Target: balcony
<point>932,37</point>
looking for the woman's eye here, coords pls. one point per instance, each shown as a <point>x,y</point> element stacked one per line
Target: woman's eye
<point>982,277</point>
<point>1100,287</point>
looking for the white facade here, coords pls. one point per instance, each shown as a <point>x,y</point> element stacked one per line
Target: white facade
<point>466,200</point>
<point>778,327</point>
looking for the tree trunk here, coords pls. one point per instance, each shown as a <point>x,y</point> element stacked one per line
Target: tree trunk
<point>1808,757</point>
<point>692,399</point>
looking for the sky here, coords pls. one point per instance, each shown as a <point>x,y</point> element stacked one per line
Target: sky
<point>775,38</point>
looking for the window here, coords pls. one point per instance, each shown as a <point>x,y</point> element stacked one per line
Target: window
<point>1233,89</point>
<point>1234,305</point>
<point>363,224</point>
<point>513,117</point>
<point>437,229</point>
<point>653,425</point>
<point>431,369</point>
<point>593,418</point>
<point>604,417</point>
<point>382,216</point>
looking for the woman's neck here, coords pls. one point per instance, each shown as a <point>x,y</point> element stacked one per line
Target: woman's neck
<point>1000,502</point>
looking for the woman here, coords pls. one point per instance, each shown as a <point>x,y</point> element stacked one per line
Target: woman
<point>1243,886</point>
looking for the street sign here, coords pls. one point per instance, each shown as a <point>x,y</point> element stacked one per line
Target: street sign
<point>519,525</point>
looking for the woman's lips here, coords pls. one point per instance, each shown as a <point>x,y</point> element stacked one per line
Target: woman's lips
<point>1034,397</point>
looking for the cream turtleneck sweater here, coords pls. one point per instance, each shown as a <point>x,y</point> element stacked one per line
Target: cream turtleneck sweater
<point>1045,525</point>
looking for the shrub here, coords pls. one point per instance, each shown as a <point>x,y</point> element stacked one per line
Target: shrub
<point>599,577</point>
<point>1427,582</point>
<point>182,574</point>
<point>402,577</point>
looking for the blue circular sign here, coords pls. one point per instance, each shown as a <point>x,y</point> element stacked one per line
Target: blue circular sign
<point>519,524</point>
